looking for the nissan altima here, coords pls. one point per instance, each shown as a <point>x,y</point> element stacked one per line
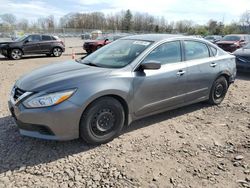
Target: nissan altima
<point>133,77</point>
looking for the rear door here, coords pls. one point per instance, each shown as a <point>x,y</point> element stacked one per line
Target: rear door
<point>46,44</point>
<point>32,44</point>
<point>202,69</point>
<point>156,90</point>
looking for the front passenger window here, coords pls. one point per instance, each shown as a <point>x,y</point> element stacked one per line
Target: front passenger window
<point>169,52</point>
<point>34,38</point>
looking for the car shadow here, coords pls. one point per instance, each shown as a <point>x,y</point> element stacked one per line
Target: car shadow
<point>147,121</point>
<point>243,76</point>
<point>18,151</point>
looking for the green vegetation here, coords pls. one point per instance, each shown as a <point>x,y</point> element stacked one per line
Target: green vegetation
<point>125,21</point>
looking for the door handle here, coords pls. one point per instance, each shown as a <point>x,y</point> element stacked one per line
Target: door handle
<point>213,64</point>
<point>180,72</point>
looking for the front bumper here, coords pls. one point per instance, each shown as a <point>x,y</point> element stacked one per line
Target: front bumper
<point>242,65</point>
<point>60,122</point>
<point>4,51</point>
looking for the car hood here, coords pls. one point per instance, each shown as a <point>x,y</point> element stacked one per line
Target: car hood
<point>226,42</point>
<point>59,76</point>
<point>94,41</point>
<point>4,43</point>
<point>242,51</point>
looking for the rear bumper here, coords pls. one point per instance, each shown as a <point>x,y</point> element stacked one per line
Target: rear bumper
<point>60,122</point>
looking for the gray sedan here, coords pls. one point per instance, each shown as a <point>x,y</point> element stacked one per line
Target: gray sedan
<point>137,76</point>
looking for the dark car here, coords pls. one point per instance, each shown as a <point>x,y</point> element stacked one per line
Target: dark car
<point>243,58</point>
<point>213,38</point>
<point>233,42</point>
<point>32,44</point>
<point>92,45</point>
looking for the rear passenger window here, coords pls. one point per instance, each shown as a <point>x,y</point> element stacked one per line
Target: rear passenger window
<point>214,51</point>
<point>195,50</point>
<point>46,37</point>
<point>169,52</point>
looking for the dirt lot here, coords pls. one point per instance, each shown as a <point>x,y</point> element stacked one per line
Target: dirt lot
<point>195,146</point>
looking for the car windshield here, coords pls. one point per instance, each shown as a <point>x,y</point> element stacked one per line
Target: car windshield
<point>21,38</point>
<point>231,38</point>
<point>100,38</point>
<point>247,46</point>
<point>117,54</point>
<point>209,37</point>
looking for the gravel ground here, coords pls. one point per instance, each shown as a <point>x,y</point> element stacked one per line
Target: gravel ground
<point>195,146</point>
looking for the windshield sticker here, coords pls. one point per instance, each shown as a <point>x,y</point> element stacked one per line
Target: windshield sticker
<point>142,43</point>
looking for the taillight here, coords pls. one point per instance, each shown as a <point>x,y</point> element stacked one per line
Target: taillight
<point>62,42</point>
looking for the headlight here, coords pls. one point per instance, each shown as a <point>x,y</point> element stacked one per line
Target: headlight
<point>48,99</point>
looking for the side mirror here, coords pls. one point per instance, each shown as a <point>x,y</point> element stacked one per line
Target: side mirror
<point>151,65</point>
<point>106,40</point>
<point>25,42</point>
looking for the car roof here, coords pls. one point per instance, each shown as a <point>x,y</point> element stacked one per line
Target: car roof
<point>153,37</point>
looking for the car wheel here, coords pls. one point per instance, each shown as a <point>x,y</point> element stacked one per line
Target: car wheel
<point>218,91</point>
<point>16,54</point>
<point>88,51</point>
<point>98,47</point>
<point>57,52</point>
<point>102,121</point>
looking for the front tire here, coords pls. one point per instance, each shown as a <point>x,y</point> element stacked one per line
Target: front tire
<point>57,52</point>
<point>16,54</point>
<point>218,91</point>
<point>102,121</point>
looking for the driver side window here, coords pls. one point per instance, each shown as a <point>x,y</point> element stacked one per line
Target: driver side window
<point>169,52</point>
<point>34,38</point>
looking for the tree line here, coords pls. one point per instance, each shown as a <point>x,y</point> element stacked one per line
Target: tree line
<point>126,21</point>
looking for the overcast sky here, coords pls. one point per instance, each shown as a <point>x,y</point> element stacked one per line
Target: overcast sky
<point>200,11</point>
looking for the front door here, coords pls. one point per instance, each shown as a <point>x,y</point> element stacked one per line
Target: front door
<point>32,44</point>
<point>156,90</point>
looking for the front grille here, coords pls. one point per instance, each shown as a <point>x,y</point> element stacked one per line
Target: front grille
<point>17,93</point>
<point>247,58</point>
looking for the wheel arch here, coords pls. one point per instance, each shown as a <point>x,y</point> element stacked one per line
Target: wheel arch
<point>226,74</point>
<point>115,96</point>
<point>56,47</point>
<point>12,48</point>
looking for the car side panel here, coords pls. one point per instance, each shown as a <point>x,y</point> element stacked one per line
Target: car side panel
<point>159,89</point>
<point>201,74</point>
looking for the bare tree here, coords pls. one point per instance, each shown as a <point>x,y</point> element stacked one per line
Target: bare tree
<point>23,24</point>
<point>245,18</point>
<point>8,18</point>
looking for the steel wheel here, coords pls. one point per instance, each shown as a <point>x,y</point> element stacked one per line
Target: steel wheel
<point>16,54</point>
<point>102,121</point>
<point>218,90</point>
<point>57,52</point>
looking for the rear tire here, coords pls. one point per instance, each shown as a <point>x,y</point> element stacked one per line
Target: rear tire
<point>218,91</point>
<point>57,52</point>
<point>102,121</point>
<point>16,54</point>
<point>98,47</point>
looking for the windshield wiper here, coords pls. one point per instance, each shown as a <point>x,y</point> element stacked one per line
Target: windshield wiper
<point>91,64</point>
